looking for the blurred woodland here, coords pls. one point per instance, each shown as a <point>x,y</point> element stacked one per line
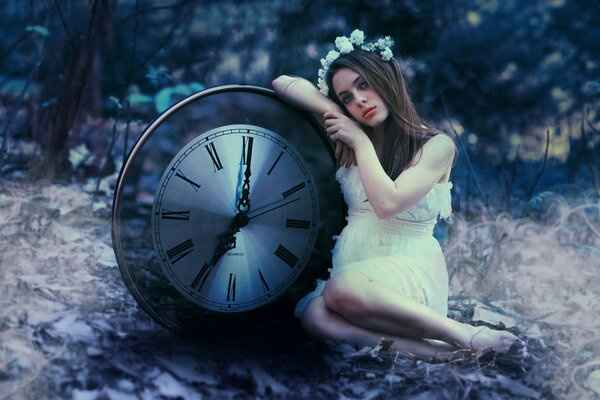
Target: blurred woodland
<point>516,82</point>
<point>83,78</point>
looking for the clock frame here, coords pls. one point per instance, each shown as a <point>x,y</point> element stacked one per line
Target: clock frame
<point>134,207</point>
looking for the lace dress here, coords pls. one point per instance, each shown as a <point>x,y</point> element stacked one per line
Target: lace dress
<point>400,252</point>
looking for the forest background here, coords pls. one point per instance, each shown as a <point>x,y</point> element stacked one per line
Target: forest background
<point>517,83</point>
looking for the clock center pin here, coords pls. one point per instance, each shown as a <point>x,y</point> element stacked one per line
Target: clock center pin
<point>241,219</point>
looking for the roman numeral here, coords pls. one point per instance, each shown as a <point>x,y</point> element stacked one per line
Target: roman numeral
<point>287,256</point>
<point>201,277</point>
<point>263,282</point>
<point>179,215</point>
<point>293,190</point>
<point>181,250</point>
<point>214,156</point>
<point>297,223</point>
<point>231,288</point>
<point>247,150</point>
<point>185,178</point>
<point>275,163</point>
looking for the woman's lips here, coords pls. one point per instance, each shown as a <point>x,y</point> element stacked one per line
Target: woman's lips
<point>369,112</point>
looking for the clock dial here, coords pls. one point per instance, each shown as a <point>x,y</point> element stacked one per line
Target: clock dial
<point>224,212</point>
<point>260,179</point>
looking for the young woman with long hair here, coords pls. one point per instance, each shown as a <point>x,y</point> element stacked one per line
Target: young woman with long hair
<point>389,277</point>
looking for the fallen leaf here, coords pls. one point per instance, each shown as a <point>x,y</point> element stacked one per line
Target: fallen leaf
<point>593,381</point>
<point>517,388</point>
<point>264,380</point>
<point>168,386</point>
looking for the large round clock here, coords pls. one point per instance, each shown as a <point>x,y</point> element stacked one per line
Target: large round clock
<point>224,212</point>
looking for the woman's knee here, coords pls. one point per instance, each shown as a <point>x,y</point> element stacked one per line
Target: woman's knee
<point>342,293</point>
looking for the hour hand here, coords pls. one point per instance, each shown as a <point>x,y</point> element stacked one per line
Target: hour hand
<point>226,241</point>
<point>224,244</point>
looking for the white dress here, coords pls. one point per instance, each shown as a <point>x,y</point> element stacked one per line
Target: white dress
<point>400,252</point>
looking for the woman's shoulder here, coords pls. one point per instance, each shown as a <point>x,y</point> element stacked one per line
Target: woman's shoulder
<point>443,140</point>
<point>439,149</point>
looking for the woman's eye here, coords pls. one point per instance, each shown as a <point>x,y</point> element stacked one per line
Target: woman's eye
<point>364,85</point>
<point>346,100</point>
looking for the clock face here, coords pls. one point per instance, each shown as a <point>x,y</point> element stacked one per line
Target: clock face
<point>196,203</point>
<point>224,212</point>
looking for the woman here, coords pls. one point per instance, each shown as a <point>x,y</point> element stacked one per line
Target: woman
<point>389,277</point>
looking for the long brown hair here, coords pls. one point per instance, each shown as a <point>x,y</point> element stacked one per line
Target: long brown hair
<point>404,131</point>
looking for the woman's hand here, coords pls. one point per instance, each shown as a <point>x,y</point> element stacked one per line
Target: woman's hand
<point>344,155</point>
<point>303,94</point>
<point>341,128</point>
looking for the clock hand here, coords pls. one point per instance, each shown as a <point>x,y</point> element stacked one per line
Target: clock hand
<point>226,242</point>
<point>240,180</point>
<point>271,207</point>
<point>227,239</point>
<point>244,202</point>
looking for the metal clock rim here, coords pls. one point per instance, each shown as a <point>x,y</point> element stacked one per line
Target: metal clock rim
<point>148,131</point>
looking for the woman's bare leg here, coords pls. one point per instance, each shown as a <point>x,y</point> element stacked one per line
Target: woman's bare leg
<point>374,306</point>
<point>320,321</point>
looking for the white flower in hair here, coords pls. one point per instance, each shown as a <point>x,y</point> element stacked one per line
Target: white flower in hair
<point>357,37</point>
<point>331,57</point>
<point>343,44</point>
<point>387,54</point>
<point>323,88</point>
<point>368,47</point>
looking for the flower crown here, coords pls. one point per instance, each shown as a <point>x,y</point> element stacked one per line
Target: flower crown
<point>346,45</point>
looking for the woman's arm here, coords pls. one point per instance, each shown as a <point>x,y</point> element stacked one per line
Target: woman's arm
<point>302,94</point>
<point>390,197</point>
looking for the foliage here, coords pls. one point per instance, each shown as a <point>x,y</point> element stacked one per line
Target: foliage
<point>70,329</point>
<point>500,70</point>
<point>79,81</point>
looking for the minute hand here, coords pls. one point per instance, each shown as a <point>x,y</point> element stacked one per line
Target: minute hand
<point>244,202</point>
<point>270,207</point>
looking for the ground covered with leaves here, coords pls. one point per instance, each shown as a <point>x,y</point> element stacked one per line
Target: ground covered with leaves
<point>70,329</point>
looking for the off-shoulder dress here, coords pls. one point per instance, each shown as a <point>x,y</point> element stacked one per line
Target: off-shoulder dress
<point>400,252</point>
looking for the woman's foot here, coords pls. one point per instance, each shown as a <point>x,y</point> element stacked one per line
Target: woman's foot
<point>485,338</point>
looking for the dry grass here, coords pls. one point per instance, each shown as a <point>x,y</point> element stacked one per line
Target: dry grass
<point>545,272</point>
<point>68,326</point>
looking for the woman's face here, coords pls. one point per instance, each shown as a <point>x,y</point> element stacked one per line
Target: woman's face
<point>360,99</point>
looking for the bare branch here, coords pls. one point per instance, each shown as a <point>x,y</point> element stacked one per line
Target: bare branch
<point>24,35</point>
<point>587,118</point>
<point>64,24</point>
<point>588,223</point>
<point>139,12</point>
<point>586,150</point>
<point>36,66</point>
<point>513,176</point>
<point>129,79</point>
<point>538,176</point>
<point>166,39</point>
